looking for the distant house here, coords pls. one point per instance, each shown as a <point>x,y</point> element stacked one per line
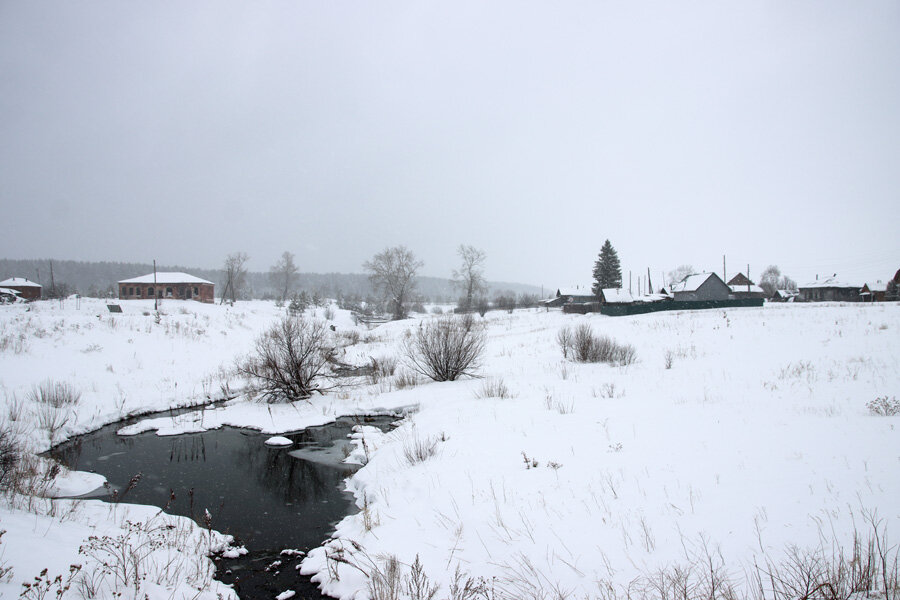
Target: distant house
<point>28,290</point>
<point>742,287</point>
<point>701,286</point>
<point>874,292</point>
<point>784,296</point>
<point>615,296</point>
<point>576,295</point>
<point>830,289</point>
<point>180,286</point>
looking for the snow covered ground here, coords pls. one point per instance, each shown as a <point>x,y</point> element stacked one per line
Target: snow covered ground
<point>587,479</point>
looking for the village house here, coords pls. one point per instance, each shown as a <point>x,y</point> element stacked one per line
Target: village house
<point>615,296</point>
<point>701,286</point>
<point>179,286</point>
<point>28,290</point>
<point>576,295</point>
<point>830,289</point>
<point>742,287</point>
<point>874,292</point>
<point>784,296</point>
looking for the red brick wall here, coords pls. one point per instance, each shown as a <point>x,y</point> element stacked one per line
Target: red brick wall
<point>202,292</point>
<point>28,292</point>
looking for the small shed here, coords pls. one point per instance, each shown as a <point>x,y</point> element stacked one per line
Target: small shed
<point>28,290</point>
<point>174,285</point>
<point>784,296</point>
<point>701,286</point>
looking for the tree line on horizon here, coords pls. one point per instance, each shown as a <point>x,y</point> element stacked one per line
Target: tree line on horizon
<point>99,279</point>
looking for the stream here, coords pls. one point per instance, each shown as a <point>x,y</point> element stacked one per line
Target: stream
<point>269,498</point>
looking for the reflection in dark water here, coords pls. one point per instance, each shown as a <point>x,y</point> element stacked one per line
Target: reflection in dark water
<point>266,498</point>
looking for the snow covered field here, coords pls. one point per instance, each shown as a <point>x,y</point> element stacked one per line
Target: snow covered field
<point>585,480</point>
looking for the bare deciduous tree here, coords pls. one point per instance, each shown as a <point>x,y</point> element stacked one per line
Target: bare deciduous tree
<point>235,275</point>
<point>288,359</point>
<point>772,280</point>
<point>283,275</point>
<point>469,278</point>
<point>678,275</point>
<point>393,272</point>
<point>447,348</point>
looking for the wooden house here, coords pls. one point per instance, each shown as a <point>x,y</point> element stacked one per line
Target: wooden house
<point>615,296</point>
<point>742,287</point>
<point>576,295</point>
<point>829,289</point>
<point>701,286</point>
<point>28,290</point>
<point>874,292</point>
<point>178,286</point>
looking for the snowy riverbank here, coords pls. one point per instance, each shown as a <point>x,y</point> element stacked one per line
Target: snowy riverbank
<point>586,478</point>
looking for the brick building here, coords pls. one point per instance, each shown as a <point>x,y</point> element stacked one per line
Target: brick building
<point>28,290</point>
<point>177,286</point>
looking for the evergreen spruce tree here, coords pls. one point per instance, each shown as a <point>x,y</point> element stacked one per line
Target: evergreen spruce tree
<point>607,270</point>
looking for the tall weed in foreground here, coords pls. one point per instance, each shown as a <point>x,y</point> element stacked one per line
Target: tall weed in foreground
<point>53,403</point>
<point>585,346</point>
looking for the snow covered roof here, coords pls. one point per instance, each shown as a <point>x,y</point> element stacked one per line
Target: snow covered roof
<point>878,286</point>
<point>10,291</point>
<point>18,282</point>
<point>785,293</point>
<point>753,288</point>
<point>691,283</point>
<point>166,278</point>
<point>830,282</point>
<point>617,296</point>
<point>578,290</point>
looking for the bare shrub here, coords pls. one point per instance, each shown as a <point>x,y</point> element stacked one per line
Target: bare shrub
<point>670,358</point>
<point>494,388</point>
<point>417,450</point>
<point>446,348</point>
<point>884,406</point>
<point>405,379</point>
<point>382,366</point>
<point>587,347</point>
<point>564,339</point>
<point>10,455</point>
<point>288,360</point>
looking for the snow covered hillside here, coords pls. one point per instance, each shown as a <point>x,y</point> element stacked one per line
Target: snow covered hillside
<point>733,436</point>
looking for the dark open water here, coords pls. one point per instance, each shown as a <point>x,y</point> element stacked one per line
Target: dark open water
<point>265,497</point>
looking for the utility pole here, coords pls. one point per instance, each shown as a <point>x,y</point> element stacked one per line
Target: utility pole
<point>629,282</point>
<point>155,291</point>
<point>724,275</point>
<point>649,282</point>
<point>52,283</point>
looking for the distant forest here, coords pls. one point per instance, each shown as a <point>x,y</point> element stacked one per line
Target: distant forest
<point>98,279</point>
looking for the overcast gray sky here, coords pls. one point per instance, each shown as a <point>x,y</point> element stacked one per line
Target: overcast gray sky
<point>681,131</point>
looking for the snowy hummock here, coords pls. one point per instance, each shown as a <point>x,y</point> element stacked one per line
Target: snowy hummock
<point>279,440</point>
<point>166,278</point>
